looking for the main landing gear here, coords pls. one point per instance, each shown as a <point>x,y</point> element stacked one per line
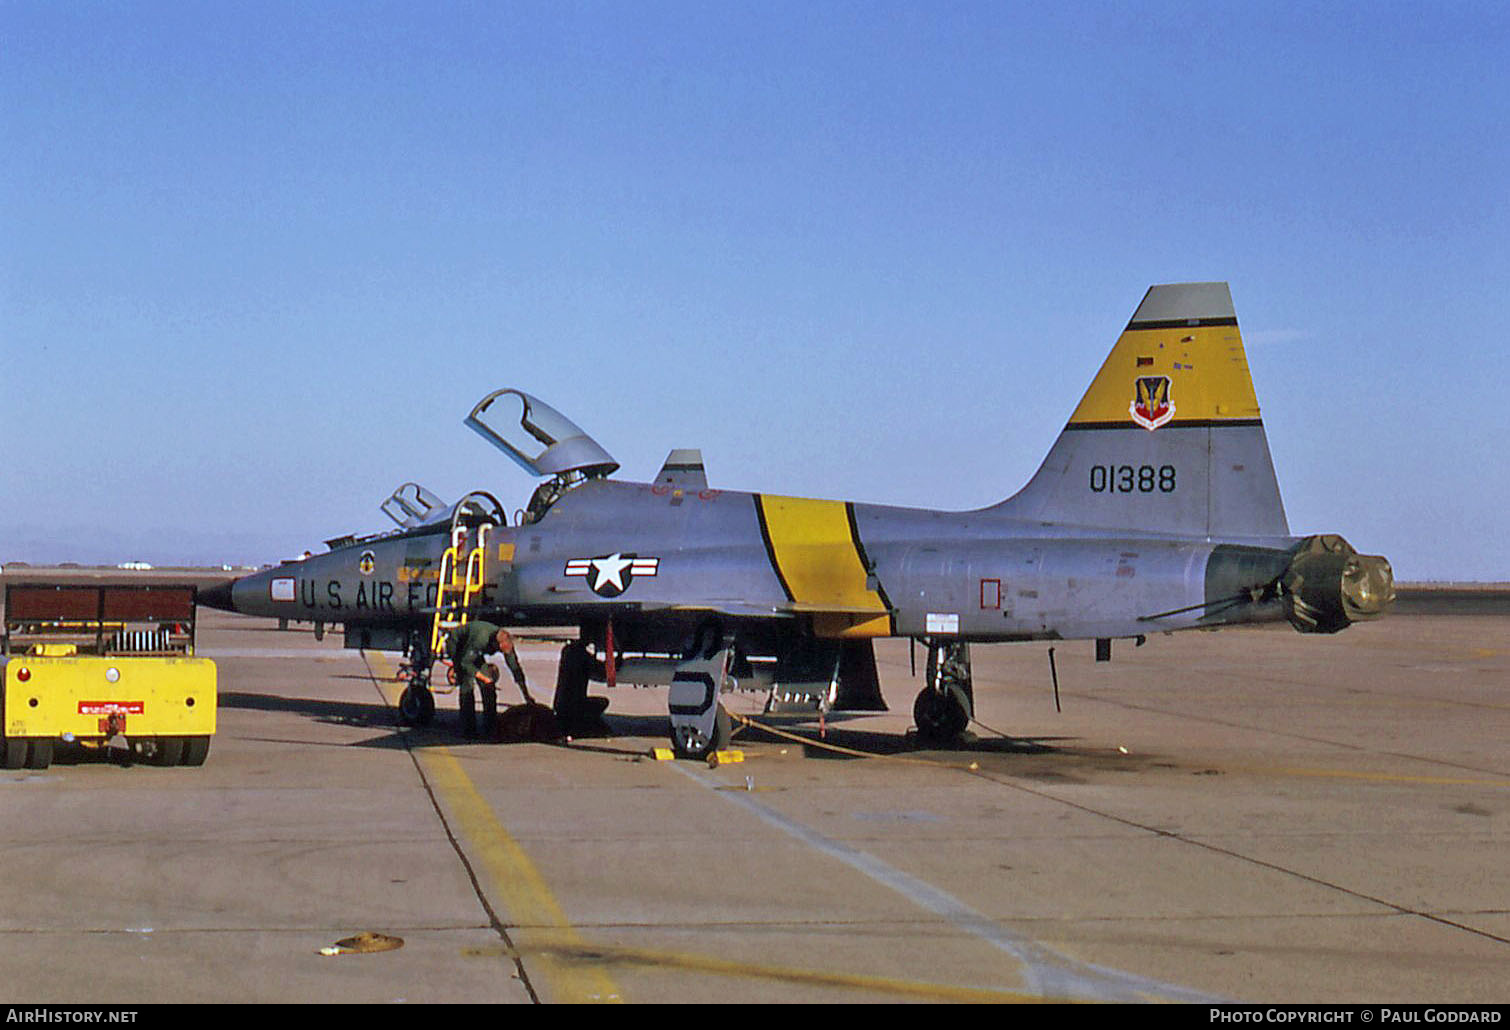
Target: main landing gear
<point>576,711</point>
<point>700,725</point>
<point>946,704</point>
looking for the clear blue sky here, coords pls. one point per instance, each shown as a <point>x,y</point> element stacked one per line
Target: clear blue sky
<point>257,261</point>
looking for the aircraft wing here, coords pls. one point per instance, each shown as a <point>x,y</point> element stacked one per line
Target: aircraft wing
<point>833,620</point>
<point>732,609</point>
<point>745,610</point>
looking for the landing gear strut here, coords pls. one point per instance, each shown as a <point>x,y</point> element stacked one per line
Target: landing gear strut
<point>576,711</point>
<point>699,723</point>
<point>416,705</point>
<point>946,704</point>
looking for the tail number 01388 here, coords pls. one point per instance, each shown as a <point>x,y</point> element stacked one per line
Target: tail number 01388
<point>1132,479</point>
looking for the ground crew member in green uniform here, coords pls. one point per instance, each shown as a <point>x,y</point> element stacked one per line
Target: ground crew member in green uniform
<point>468,647</point>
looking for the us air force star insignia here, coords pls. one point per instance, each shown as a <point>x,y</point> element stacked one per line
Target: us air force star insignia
<point>611,574</point>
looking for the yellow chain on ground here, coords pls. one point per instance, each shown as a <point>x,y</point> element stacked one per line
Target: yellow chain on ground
<point>837,749</point>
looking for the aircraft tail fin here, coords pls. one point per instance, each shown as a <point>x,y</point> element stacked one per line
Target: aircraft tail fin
<point>1168,438</point>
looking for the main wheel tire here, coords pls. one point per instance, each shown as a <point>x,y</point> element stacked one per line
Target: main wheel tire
<point>196,750</point>
<point>940,717</point>
<point>688,743</point>
<point>416,706</point>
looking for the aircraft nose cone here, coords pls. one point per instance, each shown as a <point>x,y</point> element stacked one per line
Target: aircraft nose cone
<point>217,596</point>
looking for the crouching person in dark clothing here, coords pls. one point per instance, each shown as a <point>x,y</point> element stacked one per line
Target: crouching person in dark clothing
<point>468,646</point>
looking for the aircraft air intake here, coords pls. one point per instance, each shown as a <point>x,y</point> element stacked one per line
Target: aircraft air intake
<point>1328,586</point>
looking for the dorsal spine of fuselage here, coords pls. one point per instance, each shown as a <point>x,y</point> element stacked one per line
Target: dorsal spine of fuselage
<point>1168,439</point>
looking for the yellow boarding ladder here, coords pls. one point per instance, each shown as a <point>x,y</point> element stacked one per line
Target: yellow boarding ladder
<point>457,588</point>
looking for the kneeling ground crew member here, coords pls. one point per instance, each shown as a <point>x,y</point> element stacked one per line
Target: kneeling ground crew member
<point>469,646</point>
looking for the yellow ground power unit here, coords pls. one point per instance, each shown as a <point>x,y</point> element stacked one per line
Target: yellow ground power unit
<point>104,666</point>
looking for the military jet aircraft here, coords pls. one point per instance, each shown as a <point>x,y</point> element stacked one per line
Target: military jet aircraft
<point>1156,509</point>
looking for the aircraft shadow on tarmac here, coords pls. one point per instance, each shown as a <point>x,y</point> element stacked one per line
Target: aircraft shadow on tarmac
<point>443,732</point>
<point>845,737</point>
<point>376,716</point>
<point>849,733</point>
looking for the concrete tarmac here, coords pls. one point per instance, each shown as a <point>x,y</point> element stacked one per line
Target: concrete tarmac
<point>1249,815</point>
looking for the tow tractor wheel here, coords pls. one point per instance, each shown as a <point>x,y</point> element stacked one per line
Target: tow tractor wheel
<point>416,706</point>
<point>39,755</point>
<point>19,752</point>
<point>941,716</point>
<point>170,751</point>
<point>196,750</point>
<point>686,742</point>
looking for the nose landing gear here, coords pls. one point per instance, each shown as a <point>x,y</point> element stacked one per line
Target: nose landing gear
<point>416,705</point>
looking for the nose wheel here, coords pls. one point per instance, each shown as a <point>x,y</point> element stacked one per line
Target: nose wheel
<point>416,706</point>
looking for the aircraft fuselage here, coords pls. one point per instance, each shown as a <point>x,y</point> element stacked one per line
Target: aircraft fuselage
<point>836,569</point>
<point>1157,508</point>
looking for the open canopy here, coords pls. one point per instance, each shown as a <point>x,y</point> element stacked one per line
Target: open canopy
<point>412,505</point>
<point>543,441</point>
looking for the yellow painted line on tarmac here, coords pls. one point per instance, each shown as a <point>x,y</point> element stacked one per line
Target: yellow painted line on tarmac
<point>683,962</point>
<point>512,877</point>
<point>383,669</point>
<point>1436,781</point>
<point>506,872</point>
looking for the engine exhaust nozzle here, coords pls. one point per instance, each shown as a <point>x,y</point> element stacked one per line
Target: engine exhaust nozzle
<point>1328,585</point>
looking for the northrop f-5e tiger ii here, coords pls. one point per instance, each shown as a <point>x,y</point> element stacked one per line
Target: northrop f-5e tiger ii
<point>1157,508</point>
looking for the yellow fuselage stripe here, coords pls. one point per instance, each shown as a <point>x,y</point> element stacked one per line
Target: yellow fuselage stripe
<point>816,555</point>
<point>1207,370</point>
